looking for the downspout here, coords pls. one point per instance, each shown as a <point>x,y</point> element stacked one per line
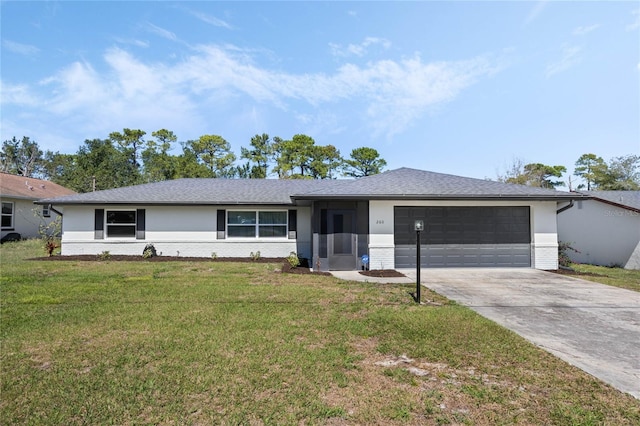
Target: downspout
<point>54,210</point>
<point>567,207</point>
<point>560,210</point>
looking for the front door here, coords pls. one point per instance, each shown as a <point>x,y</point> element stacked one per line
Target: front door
<point>342,239</point>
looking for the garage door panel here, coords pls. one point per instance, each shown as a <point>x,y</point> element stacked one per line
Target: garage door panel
<point>460,255</point>
<point>464,236</point>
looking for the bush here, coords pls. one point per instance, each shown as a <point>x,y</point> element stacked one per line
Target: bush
<point>293,259</point>
<point>255,256</point>
<point>149,251</point>
<point>49,232</point>
<point>563,257</point>
<point>50,245</point>
<point>105,255</point>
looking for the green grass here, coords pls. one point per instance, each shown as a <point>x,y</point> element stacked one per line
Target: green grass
<point>618,277</point>
<point>227,343</point>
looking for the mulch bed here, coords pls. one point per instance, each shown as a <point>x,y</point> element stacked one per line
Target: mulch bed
<point>575,273</point>
<point>383,273</point>
<point>288,269</point>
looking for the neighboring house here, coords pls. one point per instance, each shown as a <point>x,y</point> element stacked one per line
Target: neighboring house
<point>333,223</point>
<point>19,213</point>
<point>605,229</point>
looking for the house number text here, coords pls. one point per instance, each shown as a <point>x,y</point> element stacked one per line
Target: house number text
<point>380,222</point>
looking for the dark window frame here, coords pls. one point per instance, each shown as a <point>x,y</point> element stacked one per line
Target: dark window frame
<point>256,225</point>
<point>11,215</point>
<point>109,226</point>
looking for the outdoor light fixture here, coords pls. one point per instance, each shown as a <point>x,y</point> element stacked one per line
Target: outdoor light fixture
<point>418,226</point>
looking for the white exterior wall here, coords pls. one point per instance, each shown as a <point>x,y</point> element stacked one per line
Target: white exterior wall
<point>25,221</point>
<point>604,234</point>
<point>381,243</point>
<point>544,241</point>
<point>544,229</point>
<point>188,231</point>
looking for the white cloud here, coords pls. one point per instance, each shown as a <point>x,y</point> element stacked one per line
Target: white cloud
<point>570,57</point>
<point>389,94</point>
<point>161,32</point>
<point>22,49</point>
<point>18,94</point>
<point>535,11</point>
<point>132,41</point>
<point>580,31</point>
<point>358,49</point>
<point>211,20</point>
<point>636,23</point>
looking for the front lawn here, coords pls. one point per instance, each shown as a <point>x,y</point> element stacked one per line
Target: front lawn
<point>210,342</point>
<point>619,277</point>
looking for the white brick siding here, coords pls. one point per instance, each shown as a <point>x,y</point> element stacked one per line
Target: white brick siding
<point>545,256</point>
<point>381,257</point>
<point>223,248</point>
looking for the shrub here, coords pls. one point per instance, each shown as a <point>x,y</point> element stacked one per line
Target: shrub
<point>293,259</point>
<point>149,251</point>
<point>255,256</point>
<point>50,245</point>
<point>49,232</point>
<point>105,255</point>
<point>563,257</point>
<point>214,255</point>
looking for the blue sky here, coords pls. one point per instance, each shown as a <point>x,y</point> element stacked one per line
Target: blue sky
<point>454,87</point>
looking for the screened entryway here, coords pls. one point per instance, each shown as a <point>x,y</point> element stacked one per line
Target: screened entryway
<point>340,234</point>
<point>464,236</point>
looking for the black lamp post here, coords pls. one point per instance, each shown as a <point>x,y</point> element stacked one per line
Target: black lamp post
<point>419,226</point>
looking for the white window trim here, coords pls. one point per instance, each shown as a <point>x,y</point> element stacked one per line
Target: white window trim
<point>257,225</point>
<point>46,211</point>
<point>12,215</point>
<point>107,224</point>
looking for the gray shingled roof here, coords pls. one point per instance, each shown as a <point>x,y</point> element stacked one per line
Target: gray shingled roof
<point>419,184</point>
<point>628,199</point>
<point>198,191</point>
<point>401,183</point>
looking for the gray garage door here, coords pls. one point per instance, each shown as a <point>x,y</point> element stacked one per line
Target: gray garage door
<point>463,236</point>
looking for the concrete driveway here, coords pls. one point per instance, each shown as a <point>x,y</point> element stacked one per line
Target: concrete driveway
<point>592,326</point>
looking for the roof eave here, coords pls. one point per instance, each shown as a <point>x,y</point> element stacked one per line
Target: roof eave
<point>156,203</point>
<point>18,197</point>
<point>432,197</point>
<point>613,203</point>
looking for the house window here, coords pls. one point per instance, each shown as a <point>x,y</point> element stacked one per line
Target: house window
<point>7,215</point>
<point>260,224</point>
<point>46,212</point>
<point>121,223</point>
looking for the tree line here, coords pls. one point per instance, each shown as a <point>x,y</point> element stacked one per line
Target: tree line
<point>128,158</point>
<point>620,173</point>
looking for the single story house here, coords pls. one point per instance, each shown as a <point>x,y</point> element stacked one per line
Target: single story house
<point>333,223</point>
<point>605,229</point>
<point>19,214</point>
